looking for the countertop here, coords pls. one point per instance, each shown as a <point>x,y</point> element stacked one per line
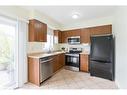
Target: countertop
<point>41,54</point>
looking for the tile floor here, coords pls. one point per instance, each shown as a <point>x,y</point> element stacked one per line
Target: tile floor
<point>66,79</point>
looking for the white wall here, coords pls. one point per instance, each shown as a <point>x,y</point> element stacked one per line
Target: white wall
<point>34,47</point>
<point>23,14</point>
<point>46,19</point>
<point>120,31</point>
<point>88,23</point>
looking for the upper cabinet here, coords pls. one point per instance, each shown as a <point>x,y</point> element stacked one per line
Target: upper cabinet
<point>85,35</point>
<point>57,36</point>
<point>70,33</point>
<point>100,30</point>
<point>37,31</point>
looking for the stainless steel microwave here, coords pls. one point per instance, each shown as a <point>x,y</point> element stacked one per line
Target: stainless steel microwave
<point>74,40</point>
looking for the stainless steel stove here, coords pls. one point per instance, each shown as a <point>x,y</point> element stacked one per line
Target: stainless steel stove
<point>72,59</point>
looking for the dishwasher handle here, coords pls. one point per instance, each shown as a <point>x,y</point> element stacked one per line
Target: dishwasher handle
<point>46,60</point>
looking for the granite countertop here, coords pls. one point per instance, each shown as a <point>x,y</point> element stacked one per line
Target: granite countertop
<point>41,54</point>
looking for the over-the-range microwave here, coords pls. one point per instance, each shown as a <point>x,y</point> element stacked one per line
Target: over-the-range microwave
<point>74,40</point>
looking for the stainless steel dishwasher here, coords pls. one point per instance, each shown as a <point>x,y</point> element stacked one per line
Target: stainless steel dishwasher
<point>46,68</point>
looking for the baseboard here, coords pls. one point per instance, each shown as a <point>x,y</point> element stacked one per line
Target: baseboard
<point>117,83</point>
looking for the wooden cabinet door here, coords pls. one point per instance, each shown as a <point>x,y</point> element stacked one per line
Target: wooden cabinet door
<point>37,31</point>
<point>64,36</point>
<point>32,30</point>
<point>34,71</point>
<point>60,37</point>
<point>58,62</point>
<point>44,32</point>
<point>100,30</point>
<point>75,32</point>
<point>85,35</point>
<point>55,63</point>
<point>84,62</point>
<point>61,60</point>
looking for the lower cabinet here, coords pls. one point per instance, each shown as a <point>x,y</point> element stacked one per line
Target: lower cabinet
<point>84,62</point>
<point>58,62</point>
<point>34,67</point>
<point>34,71</point>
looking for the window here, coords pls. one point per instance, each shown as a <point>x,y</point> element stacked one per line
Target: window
<point>49,43</point>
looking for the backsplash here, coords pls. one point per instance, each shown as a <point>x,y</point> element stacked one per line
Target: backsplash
<point>34,47</point>
<point>85,47</point>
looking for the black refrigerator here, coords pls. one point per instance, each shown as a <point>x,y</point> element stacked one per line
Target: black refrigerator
<point>102,56</point>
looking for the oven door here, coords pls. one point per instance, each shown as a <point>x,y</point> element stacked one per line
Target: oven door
<point>72,60</point>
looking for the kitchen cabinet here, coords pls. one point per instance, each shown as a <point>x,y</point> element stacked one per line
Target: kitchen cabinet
<point>75,32</point>
<point>37,31</point>
<point>100,30</point>
<point>64,36</point>
<point>85,35</point>
<point>36,68</point>
<point>84,62</point>
<point>70,33</point>
<point>57,36</point>
<point>34,71</point>
<point>55,63</point>
<point>59,62</point>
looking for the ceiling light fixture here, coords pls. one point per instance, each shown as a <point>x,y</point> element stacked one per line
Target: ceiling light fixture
<point>75,16</point>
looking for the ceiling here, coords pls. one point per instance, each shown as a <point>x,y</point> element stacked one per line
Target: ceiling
<point>63,14</point>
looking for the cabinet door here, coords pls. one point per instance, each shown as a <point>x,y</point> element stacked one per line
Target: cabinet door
<point>75,32</point>
<point>85,35</point>
<point>60,37</point>
<point>44,32</point>
<point>37,31</point>
<point>32,30</point>
<point>34,71</point>
<point>58,62</point>
<point>100,30</point>
<point>61,60</point>
<point>64,37</point>
<point>55,63</point>
<point>84,62</point>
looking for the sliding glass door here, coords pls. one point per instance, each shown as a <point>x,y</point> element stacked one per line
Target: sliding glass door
<point>8,66</point>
